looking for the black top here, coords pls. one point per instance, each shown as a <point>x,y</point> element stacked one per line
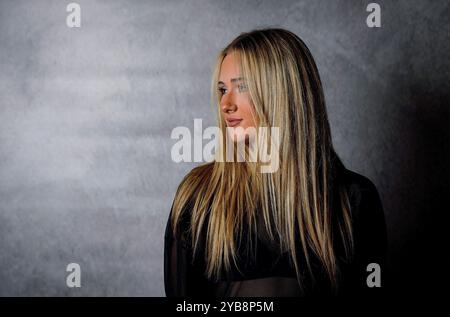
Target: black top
<point>269,273</point>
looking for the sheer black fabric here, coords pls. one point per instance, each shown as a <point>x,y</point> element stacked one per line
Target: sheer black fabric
<point>267,271</point>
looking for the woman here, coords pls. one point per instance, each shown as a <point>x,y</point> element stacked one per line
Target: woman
<point>311,227</point>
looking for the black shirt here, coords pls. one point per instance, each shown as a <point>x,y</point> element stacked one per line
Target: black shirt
<point>269,273</point>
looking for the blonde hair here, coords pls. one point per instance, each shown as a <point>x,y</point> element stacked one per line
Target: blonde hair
<point>295,201</point>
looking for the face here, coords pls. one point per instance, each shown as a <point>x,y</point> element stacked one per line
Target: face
<point>236,106</point>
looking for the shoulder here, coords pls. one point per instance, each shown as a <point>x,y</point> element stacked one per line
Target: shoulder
<point>196,177</point>
<point>189,188</point>
<point>361,189</point>
<point>368,220</point>
<point>366,209</point>
<point>192,185</point>
<point>365,202</point>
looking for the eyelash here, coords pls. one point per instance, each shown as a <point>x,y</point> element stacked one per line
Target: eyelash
<point>240,87</point>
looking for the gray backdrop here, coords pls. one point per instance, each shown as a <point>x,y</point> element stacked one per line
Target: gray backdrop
<point>86,114</point>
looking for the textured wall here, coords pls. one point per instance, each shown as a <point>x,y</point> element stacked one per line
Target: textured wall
<point>86,115</point>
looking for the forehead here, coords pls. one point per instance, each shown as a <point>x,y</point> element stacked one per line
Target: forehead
<point>229,68</point>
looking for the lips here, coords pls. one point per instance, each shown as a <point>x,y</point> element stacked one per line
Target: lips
<point>233,122</point>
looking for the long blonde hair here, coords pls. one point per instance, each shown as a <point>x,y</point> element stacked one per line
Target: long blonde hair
<point>295,201</point>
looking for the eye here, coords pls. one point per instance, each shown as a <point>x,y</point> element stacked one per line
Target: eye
<point>222,90</point>
<point>242,87</point>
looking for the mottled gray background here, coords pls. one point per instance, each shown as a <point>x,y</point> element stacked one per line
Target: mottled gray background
<point>86,114</point>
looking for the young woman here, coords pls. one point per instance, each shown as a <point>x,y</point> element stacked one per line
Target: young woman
<point>310,227</point>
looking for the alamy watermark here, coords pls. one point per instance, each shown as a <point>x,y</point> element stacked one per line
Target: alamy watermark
<point>74,277</point>
<point>73,19</point>
<point>263,145</point>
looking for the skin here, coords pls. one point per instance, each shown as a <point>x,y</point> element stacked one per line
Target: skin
<point>235,102</point>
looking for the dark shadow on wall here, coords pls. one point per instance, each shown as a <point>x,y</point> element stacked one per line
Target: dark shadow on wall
<point>418,236</point>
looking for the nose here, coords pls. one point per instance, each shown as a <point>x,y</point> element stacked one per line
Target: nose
<point>227,103</point>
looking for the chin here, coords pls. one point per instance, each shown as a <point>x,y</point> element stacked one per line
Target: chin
<point>239,135</point>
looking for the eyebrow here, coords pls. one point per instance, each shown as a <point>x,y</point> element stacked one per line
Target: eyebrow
<point>233,80</point>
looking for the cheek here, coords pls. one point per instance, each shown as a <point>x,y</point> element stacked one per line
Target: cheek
<point>247,112</point>
<point>249,115</point>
